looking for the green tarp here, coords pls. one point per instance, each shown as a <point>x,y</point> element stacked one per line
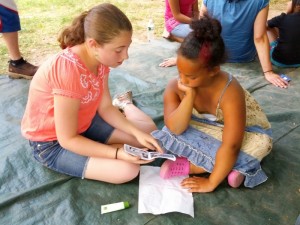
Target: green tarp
<point>32,194</point>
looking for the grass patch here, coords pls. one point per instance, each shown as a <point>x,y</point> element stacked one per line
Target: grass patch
<point>42,20</point>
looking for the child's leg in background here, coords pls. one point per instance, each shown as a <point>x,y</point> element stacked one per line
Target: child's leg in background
<point>181,31</point>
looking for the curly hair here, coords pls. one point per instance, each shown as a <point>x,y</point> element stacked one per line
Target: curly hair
<point>204,42</point>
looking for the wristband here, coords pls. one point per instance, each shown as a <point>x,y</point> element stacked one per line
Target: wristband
<point>268,71</point>
<point>116,156</point>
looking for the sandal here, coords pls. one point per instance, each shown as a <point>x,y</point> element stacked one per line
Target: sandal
<point>121,100</point>
<point>235,179</point>
<point>170,168</point>
<point>166,34</point>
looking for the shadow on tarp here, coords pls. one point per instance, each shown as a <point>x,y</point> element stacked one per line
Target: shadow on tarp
<point>32,194</point>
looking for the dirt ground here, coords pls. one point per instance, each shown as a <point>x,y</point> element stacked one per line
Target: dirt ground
<point>276,9</point>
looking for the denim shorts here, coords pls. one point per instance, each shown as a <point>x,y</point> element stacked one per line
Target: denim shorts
<point>276,63</point>
<point>181,30</point>
<point>61,160</point>
<point>9,20</point>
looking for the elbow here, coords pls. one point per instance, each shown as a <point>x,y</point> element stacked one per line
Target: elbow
<point>175,129</point>
<point>261,38</point>
<point>177,132</point>
<point>182,19</point>
<point>258,39</point>
<point>177,18</point>
<point>63,142</point>
<point>235,149</point>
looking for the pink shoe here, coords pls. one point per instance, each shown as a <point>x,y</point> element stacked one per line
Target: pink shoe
<point>170,168</point>
<point>235,179</point>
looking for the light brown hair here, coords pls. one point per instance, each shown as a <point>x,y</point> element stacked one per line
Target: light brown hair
<point>102,23</point>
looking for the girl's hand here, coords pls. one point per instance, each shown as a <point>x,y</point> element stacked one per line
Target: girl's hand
<point>276,80</point>
<point>148,141</point>
<point>130,158</point>
<point>168,62</point>
<point>186,89</point>
<point>198,184</point>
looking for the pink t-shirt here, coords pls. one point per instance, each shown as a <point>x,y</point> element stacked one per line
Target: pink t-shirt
<point>186,8</point>
<point>64,74</point>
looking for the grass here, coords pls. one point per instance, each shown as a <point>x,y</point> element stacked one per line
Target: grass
<point>42,20</point>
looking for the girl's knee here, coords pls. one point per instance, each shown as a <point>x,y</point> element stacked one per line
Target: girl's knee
<point>111,171</point>
<point>128,173</point>
<point>148,126</point>
<point>152,127</point>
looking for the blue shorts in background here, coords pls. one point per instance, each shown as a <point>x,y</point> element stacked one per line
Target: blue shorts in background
<point>273,44</point>
<point>9,20</point>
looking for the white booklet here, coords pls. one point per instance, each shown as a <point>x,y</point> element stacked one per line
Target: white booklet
<point>147,155</point>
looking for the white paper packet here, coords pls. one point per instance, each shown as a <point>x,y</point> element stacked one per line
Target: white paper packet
<point>159,196</point>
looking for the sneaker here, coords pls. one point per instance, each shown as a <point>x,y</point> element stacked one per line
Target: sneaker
<point>180,167</point>
<point>235,179</point>
<point>121,100</point>
<point>21,69</point>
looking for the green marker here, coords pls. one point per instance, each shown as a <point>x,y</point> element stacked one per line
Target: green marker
<point>114,207</point>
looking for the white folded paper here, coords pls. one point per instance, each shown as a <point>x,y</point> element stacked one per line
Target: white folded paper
<point>159,196</point>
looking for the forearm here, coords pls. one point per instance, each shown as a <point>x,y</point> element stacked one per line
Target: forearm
<point>263,51</point>
<point>181,18</point>
<point>224,162</point>
<point>179,119</point>
<point>203,10</point>
<point>116,119</point>
<point>196,14</point>
<point>87,147</point>
<point>289,8</point>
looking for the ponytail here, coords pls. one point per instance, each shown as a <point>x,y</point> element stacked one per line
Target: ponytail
<point>102,23</point>
<point>73,34</point>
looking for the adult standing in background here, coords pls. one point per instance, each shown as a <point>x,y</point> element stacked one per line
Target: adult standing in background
<point>9,27</point>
